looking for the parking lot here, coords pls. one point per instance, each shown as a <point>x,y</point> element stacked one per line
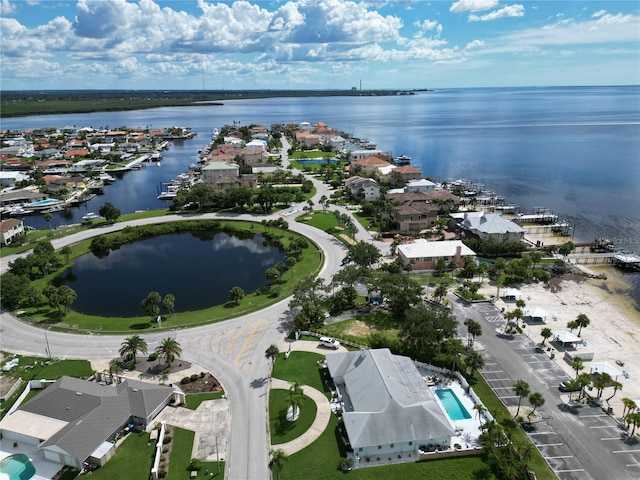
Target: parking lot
<point>578,441</point>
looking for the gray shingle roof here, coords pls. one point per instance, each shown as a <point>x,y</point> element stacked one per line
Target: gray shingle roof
<point>390,400</point>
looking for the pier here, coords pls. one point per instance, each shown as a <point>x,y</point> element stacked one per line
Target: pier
<point>619,259</point>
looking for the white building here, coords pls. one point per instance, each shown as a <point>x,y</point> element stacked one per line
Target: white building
<point>424,255</point>
<point>488,226</point>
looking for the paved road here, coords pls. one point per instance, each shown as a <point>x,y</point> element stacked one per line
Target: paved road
<point>579,442</point>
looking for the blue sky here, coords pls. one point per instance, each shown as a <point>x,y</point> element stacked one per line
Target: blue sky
<point>316,44</point>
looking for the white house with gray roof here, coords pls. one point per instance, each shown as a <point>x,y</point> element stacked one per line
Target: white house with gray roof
<point>488,226</point>
<point>74,420</point>
<point>388,408</point>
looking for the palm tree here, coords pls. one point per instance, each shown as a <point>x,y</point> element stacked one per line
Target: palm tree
<point>296,397</point>
<point>474,329</point>
<point>536,400</point>
<point>271,353</point>
<point>236,294</point>
<point>616,386</point>
<point>169,303</point>
<point>114,370</point>
<point>66,251</point>
<point>546,333</point>
<point>577,364</point>
<point>521,389</point>
<point>169,349</point>
<point>278,459</point>
<point>583,380</point>
<point>480,409</point>
<point>601,381</point>
<point>131,346</point>
<point>440,291</point>
<point>629,406</point>
<point>582,321</point>
<point>571,325</point>
<point>474,361</point>
<point>633,418</point>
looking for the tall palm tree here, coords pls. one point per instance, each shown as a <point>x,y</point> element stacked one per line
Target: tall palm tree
<point>577,364</point>
<point>571,325</point>
<point>629,406</point>
<point>536,400</point>
<point>169,349</point>
<point>480,409</point>
<point>601,381</point>
<point>131,346</point>
<point>521,389</point>
<point>474,329</point>
<point>296,397</point>
<point>474,361</point>
<point>583,380</point>
<point>616,386</point>
<point>546,333</point>
<point>582,321</point>
<point>271,353</point>
<point>278,459</point>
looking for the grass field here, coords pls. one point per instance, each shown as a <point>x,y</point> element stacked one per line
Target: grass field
<point>281,429</point>
<point>195,399</point>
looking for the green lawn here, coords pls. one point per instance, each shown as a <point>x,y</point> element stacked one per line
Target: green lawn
<point>323,220</point>
<point>282,430</point>
<point>132,461</point>
<point>311,154</point>
<point>195,399</point>
<point>301,367</point>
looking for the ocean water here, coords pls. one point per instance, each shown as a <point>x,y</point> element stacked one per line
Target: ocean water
<point>574,150</point>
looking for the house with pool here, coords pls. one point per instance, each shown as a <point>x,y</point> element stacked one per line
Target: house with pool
<point>394,413</point>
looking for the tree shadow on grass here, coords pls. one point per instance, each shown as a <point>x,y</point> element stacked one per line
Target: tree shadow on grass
<point>282,425</point>
<point>483,473</point>
<point>140,326</point>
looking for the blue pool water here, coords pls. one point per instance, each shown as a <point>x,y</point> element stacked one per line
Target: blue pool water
<point>452,405</point>
<point>316,161</point>
<point>48,201</point>
<point>17,467</point>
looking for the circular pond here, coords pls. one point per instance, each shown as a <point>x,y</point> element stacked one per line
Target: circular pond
<point>198,270</point>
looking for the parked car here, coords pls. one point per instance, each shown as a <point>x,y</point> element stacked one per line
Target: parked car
<point>569,386</point>
<point>329,342</point>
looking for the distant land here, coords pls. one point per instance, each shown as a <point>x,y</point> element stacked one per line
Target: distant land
<point>47,102</point>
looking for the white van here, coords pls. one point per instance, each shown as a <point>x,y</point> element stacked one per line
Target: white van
<point>329,342</point>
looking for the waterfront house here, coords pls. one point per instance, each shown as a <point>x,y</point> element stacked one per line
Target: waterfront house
<point>423,255</point>
<point>17,197</point>
<point>370,164</point>
<point>487,226</point>
<point>73,421</point>
<point>419,185</point>
<point>360,187</point>
<point>58,184</point>
<point>212,171</point>
<point>405,173</point>
<point>10,229</point>
<point>388,410</point>
<point>9,179</point>
<point>412,212</point>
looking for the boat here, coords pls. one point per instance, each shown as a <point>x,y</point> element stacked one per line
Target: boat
<point>155,156</point>
<point>106,178</point>
<point>402,160</point>
<point>90,216</point>
<point>170,193</point>
<point>19,211</point>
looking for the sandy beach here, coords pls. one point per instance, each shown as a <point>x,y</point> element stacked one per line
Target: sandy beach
<point>612,335</point>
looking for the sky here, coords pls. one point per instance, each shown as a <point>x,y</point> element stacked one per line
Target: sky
<point>316,44</point>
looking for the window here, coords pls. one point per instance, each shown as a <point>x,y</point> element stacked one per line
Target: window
<point>360,449</point>
<point>391,445</point>
<point>410,443</point>
<point>379,447</point>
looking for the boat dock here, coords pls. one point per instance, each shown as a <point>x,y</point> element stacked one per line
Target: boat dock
<point>619,259</point>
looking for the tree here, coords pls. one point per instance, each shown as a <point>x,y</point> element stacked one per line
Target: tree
<point>296,398</point>
<point>271,353</point>
<point>474,329</point>
<point>363,254</point>
<point>582,321</point>
<point>169,303</point>
<point>151,304</point>
<point>100,246</point>
<point>13,287</point>
<point>633,419</point>
<point>616,386</point>
<point>66,296</point>
<point>521,389</point>
<point>66,251</point>
<point>109,212</point>
<point>474,361</point>
<point>47,218</point>
<point>536,400</point>
<point>571,325</point>
<point>236,294</point>
<point>480,409</point>
<point>629,406</point>
<point>545,333</point>
<point>278,459</point>
<point>441,291</point>
<point>273,275</point>
<point>131,346</point>
<point>583,380</point>
<point>601,381</point>
<point>577,364</point>
<point>51,292</point>
<point>566,248</point>
<point>169,349</point>
<point>324,202</point>
<point>423,330</point>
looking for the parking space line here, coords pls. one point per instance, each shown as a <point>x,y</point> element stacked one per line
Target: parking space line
<point>633,465</point>
<point>549,444</point>
<point>508,396</point>
<point>497,379</point>
<point>569,471</point>
<point>492,371</point>
<point>625,451</point>
<point>606,426</point>
<point>542,433</point>
<point>610,438</point>
<point>594,415</point>
<point>559,456</point>
<point>502,388</point>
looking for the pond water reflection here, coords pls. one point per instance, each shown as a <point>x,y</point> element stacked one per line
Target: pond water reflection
<point>198,270</point>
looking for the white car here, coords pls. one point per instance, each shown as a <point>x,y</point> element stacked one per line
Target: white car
<point>329,342</point>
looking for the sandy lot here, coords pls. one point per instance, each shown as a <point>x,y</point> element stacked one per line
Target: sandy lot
<point>612,335</point>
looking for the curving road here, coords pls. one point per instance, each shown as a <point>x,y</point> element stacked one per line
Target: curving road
<point>232,350</point>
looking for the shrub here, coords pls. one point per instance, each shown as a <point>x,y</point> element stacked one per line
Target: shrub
<point>166,439</point>
<point>163,458</point>
<point>185,380</point>
<point>193,377</point>
<point>165,450</point>
<point>346,464</point>
<point>153,356</point>
<point>202,374</point>
<point>162,473</point>
<point>194,465</point>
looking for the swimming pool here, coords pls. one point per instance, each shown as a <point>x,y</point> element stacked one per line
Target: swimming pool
<point>45,202</point>
<point>316,161</point>
<point>17,467</point>
<point>452,405</point>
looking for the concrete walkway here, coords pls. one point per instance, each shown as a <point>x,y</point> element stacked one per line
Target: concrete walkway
<point>323,413</point>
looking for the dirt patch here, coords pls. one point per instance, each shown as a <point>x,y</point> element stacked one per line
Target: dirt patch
<point>203,384</point>
<point>360,329</point>
<point>555,284</point>
<point>347,239</point>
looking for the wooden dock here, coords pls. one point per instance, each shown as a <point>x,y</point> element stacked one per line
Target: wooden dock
<point>623,260</point>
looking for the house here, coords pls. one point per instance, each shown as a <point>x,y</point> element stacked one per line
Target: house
<point>356,155</point>
<point>9,229</point>
<point>412,211</point>
<point>423,255</point>
<point>370,164</point>
<point>487,226</point>
<point>212,171</point>
<point>57,184</point>
<point>406,173</point>
<point>535,314</point>
<point>16,197</point>
<point>388,409</point>
<point>73,420</point>
<point>366,188</point>
<point>9,179</point>
<point>419,185</point>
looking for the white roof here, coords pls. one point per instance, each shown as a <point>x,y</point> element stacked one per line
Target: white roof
<point>101,450</point>
<point>564,336</point>
<point>535,312</point>
<point>421,248</point>
<point>604,367</point>
<point>32,424</point>
<point>511,292</point>
<point>487,222</point>
<point>420,182</point>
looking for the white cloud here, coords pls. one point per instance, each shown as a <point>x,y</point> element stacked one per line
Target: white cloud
<point>475,44</point>
<point>472,5</point>
<point>599,13</point>
<point>6,8</point>
<point>508,11</point>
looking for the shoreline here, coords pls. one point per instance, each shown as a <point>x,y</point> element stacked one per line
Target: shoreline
<point>612,335</point>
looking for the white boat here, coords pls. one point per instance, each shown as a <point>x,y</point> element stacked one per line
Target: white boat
<point>19,211</point>
<point>106,178</point>
<point>170,193</point>
<point>155,156</point>
<point>90,216</point>
<point>402,160</point>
